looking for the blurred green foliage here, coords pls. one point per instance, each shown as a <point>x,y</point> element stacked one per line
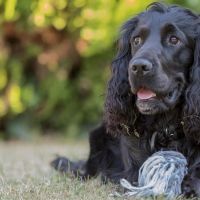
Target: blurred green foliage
<point>54,61</point>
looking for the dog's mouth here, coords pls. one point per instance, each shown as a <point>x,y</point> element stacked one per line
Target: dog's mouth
<point>145,94</point>
<point>151,102</point>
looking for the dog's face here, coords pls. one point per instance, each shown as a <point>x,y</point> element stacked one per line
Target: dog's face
<point>161,56</point>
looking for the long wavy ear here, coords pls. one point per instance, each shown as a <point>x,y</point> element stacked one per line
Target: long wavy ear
<point>191,117</point>
<point>119,106</point>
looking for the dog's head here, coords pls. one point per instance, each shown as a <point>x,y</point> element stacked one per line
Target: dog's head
<point>161,45</point>
<point>154,66</point>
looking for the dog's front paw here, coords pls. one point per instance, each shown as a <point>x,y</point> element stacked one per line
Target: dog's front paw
<point>62,164</point>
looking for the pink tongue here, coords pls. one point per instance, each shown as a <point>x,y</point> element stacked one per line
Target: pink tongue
<point>145,94</point>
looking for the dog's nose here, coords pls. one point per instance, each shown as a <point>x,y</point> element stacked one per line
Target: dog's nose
<point>141,67</point>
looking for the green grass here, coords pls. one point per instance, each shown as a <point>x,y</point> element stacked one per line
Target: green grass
<point>25,173</point>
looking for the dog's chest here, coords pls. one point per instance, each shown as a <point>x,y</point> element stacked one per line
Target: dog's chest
<point>149,136</point>
<point>160,135</point>
<point>169,138</point>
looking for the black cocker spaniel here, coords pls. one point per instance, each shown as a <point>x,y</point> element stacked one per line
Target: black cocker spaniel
<point>153,99</point>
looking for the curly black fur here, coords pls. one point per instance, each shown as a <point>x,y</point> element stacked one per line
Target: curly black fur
<point>153,98</point>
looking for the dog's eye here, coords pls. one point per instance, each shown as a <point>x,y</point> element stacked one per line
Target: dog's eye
<point>174,40</point>
<point>137,41</point>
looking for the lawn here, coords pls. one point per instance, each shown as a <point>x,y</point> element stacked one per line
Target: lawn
<point>25,173</point>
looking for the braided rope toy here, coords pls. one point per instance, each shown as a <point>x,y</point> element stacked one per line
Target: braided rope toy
<point>160,174</point>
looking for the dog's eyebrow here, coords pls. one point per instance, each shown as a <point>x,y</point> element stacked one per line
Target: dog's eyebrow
<point>171,28</point>
<point>141,30</point>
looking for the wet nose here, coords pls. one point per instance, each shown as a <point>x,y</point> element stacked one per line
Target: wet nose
<point>141,67</point>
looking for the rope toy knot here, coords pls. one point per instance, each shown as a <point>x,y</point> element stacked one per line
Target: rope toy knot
<point>160,174</point>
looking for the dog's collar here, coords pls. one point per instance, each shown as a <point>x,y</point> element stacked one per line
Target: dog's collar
<point>134,132</point>
<point>137,134</point>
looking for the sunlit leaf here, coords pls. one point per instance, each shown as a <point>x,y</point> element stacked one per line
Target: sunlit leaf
<point>39,20</point>
<point>10,9</point>
<point>79,3</point>
<point>59,23</point>
<point>3,78</point>
<point>3,107</point>
<point>14,98</point>
<point>61,4</point>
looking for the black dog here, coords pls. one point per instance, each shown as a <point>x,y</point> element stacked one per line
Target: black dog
<point>153,98</point>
